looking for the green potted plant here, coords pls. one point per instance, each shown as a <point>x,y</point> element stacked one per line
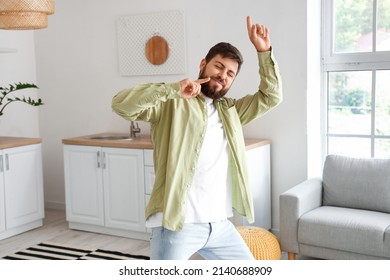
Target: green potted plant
<point>6,99</point>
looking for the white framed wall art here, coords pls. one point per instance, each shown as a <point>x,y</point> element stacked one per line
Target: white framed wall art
<point>144,37</point>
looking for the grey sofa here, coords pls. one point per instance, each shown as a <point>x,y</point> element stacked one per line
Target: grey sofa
<point>343,215</point>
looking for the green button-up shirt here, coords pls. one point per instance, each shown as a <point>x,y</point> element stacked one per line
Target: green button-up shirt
<point>178,128</point>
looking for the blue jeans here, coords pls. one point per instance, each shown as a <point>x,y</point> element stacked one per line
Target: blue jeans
<point>213,241</point>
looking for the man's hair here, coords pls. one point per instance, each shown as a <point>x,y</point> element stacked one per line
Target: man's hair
<point>225,50</point>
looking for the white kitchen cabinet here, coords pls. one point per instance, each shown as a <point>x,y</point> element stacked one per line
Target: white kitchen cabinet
<point>103,192</point>
<point>259,173</point>
<point>149,172</point>
<point>21,189</point>
<point>2,196</point>
<point>149,176</point>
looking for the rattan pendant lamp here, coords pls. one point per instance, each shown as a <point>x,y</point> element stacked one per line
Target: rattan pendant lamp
<point>25,14</point>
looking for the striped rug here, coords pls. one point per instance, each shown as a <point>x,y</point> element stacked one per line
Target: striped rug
<point>47,251</point>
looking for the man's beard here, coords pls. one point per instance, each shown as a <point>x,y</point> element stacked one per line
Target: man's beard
<point>209,91</point>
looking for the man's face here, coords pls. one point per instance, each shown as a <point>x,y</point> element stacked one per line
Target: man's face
<point>222,72</point>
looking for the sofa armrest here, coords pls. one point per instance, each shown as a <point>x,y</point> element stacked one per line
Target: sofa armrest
<point>293,204</point>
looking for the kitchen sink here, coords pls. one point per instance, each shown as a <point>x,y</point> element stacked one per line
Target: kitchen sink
<point>111,137</point>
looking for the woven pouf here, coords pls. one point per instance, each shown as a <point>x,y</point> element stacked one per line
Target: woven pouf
<point>262,243</point>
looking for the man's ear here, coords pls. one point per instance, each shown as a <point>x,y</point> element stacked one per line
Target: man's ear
<point>202,64</point>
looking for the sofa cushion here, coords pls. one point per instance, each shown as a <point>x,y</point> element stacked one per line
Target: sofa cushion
<point>344,229</point>
<point>357,183</point>
<point>387,242</point>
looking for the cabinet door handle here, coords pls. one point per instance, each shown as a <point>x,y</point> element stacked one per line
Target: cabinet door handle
<point>104,160</point>
<point>98,159</point>
<point>1,163</point>
<point>6,162</point>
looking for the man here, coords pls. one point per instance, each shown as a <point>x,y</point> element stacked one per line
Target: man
<point>199,151</point>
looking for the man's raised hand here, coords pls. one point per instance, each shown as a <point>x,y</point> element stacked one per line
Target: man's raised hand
<point>259,35</point>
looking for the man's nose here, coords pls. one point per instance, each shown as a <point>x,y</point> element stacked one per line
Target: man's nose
<point>223,74</point>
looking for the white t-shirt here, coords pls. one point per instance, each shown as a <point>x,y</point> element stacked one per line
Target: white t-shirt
<point>209,199</point>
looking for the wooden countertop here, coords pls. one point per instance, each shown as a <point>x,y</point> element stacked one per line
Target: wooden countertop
<point>12,142</point>
<point>140,142</point>
<point>251,143</point>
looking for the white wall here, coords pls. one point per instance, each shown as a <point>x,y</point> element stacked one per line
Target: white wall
<point>16,66</point>
<point>78,75</point>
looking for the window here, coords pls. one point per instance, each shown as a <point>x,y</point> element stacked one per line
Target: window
<point>356,68</point>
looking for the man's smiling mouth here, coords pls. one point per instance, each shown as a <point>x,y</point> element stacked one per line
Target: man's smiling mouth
<point>219,82</point>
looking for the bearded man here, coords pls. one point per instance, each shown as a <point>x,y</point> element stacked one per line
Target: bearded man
<point>199,151</point>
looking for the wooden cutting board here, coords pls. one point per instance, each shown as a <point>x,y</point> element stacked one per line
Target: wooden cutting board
<point>157,50</point>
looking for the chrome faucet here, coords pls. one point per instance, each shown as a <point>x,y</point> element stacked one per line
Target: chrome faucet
<point>134,128</point>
